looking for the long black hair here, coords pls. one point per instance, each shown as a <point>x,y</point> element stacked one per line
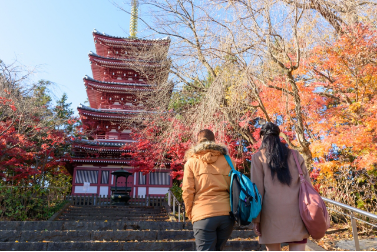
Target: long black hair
<point>276,152</point>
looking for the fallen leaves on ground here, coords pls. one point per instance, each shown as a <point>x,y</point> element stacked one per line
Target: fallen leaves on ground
<point>345,233</point>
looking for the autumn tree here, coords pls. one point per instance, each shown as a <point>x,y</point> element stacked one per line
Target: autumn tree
<point>238,64</point>
<point>34,132</point>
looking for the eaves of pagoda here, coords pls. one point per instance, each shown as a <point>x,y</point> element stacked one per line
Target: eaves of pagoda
<point>96,89</point>
<point>101,64</point>
<point>101,146</point>
<point>97,160</point>
<point>104,41</point>
<point>88,113</point>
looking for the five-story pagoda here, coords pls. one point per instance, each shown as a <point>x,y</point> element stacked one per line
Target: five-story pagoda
<point>125,72</point>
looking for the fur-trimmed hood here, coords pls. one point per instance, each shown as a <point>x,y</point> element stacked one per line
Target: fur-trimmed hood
<point>206,151</point>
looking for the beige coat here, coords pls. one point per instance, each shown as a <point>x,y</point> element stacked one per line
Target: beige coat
<point>206,182</point>
<point>279,219</point>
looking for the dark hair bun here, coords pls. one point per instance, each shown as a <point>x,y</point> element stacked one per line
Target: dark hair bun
<point>270,129</point>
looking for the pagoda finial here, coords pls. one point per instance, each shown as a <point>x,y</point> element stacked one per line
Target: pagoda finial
<point>134,17</point>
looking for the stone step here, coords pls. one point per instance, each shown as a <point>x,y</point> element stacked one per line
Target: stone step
<point>91,225</point>
<point>112,213</point>
<point>109,216</point>
<point>72,208</point>
<point>117,208</point>
<point>116,211</point>
<point>128,246</point>
<point>121,235</point>
<point>113,218</point>
<point>104,215</point>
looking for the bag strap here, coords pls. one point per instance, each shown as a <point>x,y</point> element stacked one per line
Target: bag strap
<point>297,164</point>
<point>230,173</point>
<point>230,163</point>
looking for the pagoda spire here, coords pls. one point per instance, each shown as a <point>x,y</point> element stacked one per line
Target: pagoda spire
<point>134,17</point>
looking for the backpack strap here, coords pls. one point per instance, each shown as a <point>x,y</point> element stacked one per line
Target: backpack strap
<point>297,164</point>
<point>233,170</point>
<point>230,164</point>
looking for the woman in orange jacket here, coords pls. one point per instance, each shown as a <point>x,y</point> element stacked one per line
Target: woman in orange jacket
<point>205,193</point>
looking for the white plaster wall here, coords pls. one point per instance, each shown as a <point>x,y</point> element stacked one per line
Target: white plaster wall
<point>158,190</point>
<point>142,191</point>
<point>104,190</point>
<point>80,189</point>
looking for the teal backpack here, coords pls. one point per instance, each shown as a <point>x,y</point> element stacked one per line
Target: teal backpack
<point>245,200</point>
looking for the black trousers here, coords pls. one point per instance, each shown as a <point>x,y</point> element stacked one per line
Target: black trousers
<point>212,233</point>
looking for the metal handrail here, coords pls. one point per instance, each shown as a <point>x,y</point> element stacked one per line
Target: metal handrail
<point>181,205</point>
<point>353,219</point>
<point>353,209</point>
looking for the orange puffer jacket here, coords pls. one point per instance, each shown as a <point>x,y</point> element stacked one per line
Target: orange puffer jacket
<point>206,182</point>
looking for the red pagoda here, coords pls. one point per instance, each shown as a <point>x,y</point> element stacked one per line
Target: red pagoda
<point>125,72</point>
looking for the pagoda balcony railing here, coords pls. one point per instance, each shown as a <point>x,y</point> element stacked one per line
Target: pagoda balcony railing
<point>99,137</point>
<point>126,108</point>
<point>100,157</point>
<point>101,143</point>
<point>114,138</point>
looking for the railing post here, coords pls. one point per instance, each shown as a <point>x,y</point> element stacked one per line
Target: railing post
<point>354,231</point>
<point>169,198</point>
<point>174,206</point>
<point>179,212</point>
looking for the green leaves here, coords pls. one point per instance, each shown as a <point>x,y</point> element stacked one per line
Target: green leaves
<point>29,203</point>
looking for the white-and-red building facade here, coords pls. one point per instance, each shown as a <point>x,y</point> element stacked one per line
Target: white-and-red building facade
<point>114,101</point>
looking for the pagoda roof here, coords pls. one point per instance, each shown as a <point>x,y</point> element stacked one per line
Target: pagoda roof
<point>95,89</point>
<point>109,115</point>
<point>125,60</point>
<point>130,84</point>
<point>100,63</point>
<point>129,40</point>
<point>103,42</point>
<point>114,111</point>
<point>97,160</point>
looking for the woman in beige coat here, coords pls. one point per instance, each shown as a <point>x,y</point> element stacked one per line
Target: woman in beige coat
<point>275,173</point>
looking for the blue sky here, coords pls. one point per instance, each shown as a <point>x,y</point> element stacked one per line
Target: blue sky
<point>56,37</point>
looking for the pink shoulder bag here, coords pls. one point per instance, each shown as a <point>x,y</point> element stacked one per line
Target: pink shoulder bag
<point>312,208</point>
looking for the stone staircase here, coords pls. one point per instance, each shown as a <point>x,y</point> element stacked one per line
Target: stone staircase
<point>110,228</point>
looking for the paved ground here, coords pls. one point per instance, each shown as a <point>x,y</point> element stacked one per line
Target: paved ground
<point>364,244</point>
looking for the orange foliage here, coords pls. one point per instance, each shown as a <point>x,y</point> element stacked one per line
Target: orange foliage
<point>345,74</point>
<point>337,85</point>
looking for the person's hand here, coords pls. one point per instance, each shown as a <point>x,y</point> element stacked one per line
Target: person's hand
<point>257,229</point>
